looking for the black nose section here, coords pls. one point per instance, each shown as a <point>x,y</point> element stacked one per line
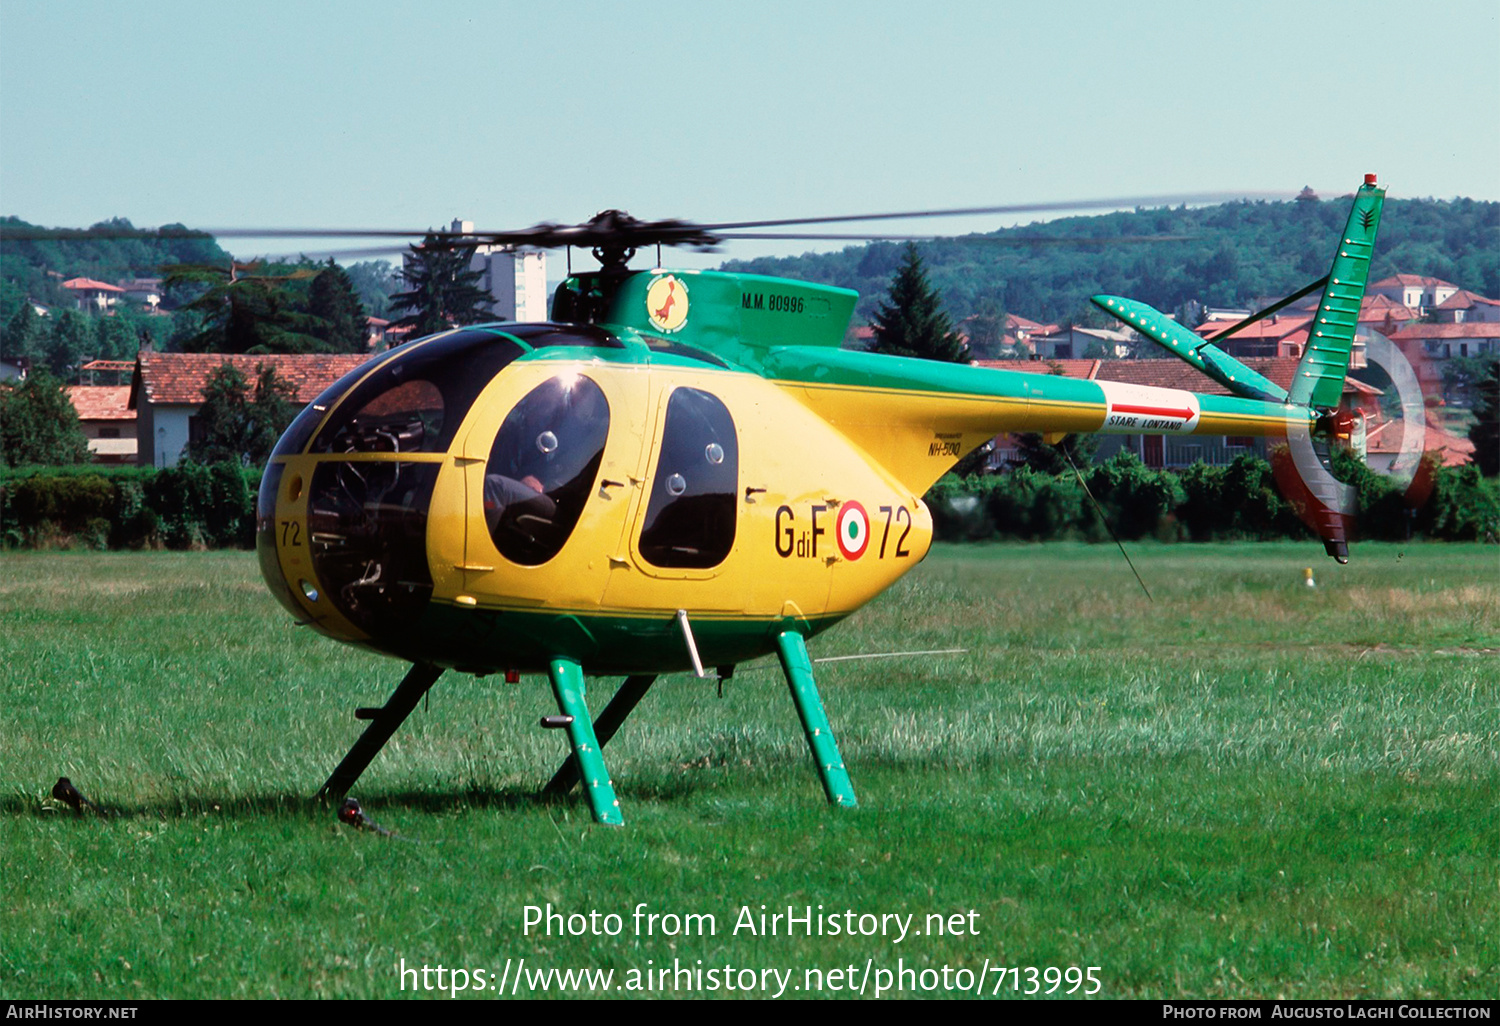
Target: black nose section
<point>265,539</point>
<point>367,535</point>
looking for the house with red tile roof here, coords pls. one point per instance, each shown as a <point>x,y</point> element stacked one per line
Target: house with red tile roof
<point>145,291</point>
<point>1464,307</point>
<point>1280,334</point>
<point>108,421</point>
<point>1380,311</point>
<point>1444,341</point>
<point>1383,441</point>
<point>1073,342</point>
<point>93,295</point>
<point>167,389</point>
<point>1384,312</point>
<point>1420,292</point>
<point>1022,333</point>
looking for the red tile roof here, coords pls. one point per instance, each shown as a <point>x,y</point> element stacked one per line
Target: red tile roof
<point>1015,322</point>
<point>1463,299</point>
<point>1379,307</point>
<point>1272,328</point>
<point>1172,373</point>
<point>101,402</point>
<point>1070,368</point>
<point>1468,329</point>
<point>179,377</point>
<point>1412,279</point>
<point>89,283</point>
<point>1386,437</point>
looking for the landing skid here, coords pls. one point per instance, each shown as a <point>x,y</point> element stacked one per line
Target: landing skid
<point>588,753</point>
<point>626,699</point>
<point>383,723</point>
<point>587,738</point>
<point>825,750</point>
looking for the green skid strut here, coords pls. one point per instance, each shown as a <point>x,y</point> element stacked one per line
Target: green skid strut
<point>825,750</point>
<point>567,686</point>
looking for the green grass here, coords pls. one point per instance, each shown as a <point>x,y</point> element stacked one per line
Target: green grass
<point>1246,788</point>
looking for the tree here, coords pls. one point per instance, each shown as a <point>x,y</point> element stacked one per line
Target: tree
<point>25,334</point>
<point>1485,432</point>
<point>13,296</point>
<point>73,338</point>
<point>275,407</point>
<point>249,313</point>
<point>338,315</point>
<point>1462,376</point>
<point>912,322</point>
<point>38,424</point>
<point>444,293</point>
<point>373,281</point>
<point>1053,459</point>
<point>116,339</point>
<point>232,424</point>
<point>987,329</point>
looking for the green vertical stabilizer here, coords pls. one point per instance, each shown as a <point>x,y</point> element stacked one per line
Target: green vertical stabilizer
<point>1319,380</point>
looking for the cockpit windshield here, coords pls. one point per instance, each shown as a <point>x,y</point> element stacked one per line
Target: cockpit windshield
<point>415,402</point>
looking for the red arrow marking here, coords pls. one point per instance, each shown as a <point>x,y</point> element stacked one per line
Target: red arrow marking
<point>1152,411</point>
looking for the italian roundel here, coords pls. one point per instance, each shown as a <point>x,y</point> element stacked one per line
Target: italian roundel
<point>854,530</point>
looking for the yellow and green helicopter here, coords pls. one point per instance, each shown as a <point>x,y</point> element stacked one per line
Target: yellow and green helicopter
<point>680,470</point>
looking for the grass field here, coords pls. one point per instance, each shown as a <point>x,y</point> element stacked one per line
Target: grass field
<point>1246,788</point>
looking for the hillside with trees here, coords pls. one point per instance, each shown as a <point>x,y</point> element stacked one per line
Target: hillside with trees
<point>1231,255</point>
<point>35,267</point>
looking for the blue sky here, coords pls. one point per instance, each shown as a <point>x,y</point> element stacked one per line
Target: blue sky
<point>404,114</point>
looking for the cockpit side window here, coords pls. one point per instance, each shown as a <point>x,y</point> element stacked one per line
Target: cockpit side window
<point>543,466</point>
<point>415,402</point>
<point>690,519</point>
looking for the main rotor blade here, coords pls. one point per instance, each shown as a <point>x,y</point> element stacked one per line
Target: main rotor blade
<point>320,255</point>
<point>1002,240</point>
<point>327,233</point>
<point>614,228</point>
<point>1017,208</point>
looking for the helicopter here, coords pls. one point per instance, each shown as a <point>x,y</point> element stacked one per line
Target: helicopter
<point>684,469</point>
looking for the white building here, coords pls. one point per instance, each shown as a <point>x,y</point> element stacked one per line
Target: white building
<point>93,295</point>
<point>1420,292</point>
<point>515,278</point>
<point>1465,307</point>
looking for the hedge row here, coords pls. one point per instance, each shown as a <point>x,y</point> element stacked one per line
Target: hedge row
<point>181,507</point>
<point>1203,503</point>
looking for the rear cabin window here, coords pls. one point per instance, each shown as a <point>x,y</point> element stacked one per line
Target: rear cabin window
<point>543,466</point>
<point>690,519</point>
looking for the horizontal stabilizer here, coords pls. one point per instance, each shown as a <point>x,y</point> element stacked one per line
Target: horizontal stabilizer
<point>1188,347</point>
